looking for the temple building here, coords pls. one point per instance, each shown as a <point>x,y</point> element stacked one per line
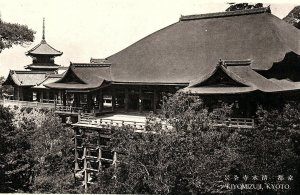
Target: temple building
<point>43,66</point>
<point>244,57</point>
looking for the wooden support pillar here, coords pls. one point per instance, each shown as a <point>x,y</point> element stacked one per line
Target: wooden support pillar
<point>42,96</point>
<point>89,102</point>
<point>85,171</point>
<point>99,152</point>
<point>64,97</point>
<point>100,97</point>
<point>126,100</point>
<point>113,99</point>
<point>76,153</point>
<point>48,95</point>
<point>154,100</point>
<point>140,100</point>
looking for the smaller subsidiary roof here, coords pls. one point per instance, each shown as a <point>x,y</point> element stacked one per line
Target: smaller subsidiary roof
<point>43,48</point>
<point>83,76</point>
<point>49,79</point>
<point>24,78</point>
<point>242,75</point>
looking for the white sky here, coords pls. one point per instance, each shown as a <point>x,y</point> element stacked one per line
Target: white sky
<point>99,28</point>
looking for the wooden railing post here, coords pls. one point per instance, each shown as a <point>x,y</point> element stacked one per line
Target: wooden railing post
<point>85,171</point>
<point>79,115</point>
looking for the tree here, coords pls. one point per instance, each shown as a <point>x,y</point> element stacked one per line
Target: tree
<point>243,6</point>
<point>195,157</point>
<point>35,152</point>
<point>293,17</point>
<point>5,89</point>
<point>14,34</point>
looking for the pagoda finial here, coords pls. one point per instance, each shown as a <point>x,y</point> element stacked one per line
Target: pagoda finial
<point>43,29</point>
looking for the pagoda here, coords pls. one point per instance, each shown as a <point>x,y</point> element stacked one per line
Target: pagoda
<point>43,56</point>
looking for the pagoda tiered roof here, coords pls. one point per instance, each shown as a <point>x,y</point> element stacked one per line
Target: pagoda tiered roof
<point>43,48</point>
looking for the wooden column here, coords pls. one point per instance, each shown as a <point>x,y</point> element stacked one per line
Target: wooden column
<point>64,98</point>
<point>113,99</point>
<point>48,95</point>
<point>140,100</point>
<point>154,100</point>
<point>42,95</point>
<point>126,100</point>
<point>89,102</point>
<point>100,97</point>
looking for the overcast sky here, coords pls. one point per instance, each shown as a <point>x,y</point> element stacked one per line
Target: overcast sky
<point>82,29</point>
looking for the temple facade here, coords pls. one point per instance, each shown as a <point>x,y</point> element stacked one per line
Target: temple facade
<point>244,57</point>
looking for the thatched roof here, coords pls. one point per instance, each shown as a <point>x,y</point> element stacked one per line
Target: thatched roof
<point>186,53</point>
<point>189,49</point>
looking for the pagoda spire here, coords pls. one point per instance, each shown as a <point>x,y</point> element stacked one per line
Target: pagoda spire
<point>43,29</point>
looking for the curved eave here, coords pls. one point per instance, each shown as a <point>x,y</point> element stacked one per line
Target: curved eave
<point>13,78</point>
<point>46,54</point>
<point>69,86</point>
<point>218,90</point>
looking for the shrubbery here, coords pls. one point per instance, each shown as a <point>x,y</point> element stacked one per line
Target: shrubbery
<point>194,157</point>
<point>198,158</point>
<point>37,152</point>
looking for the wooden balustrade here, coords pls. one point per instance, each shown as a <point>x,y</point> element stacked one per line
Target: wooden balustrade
<point>68,109</point>
<point>235,122</point>
<point>19,103</point>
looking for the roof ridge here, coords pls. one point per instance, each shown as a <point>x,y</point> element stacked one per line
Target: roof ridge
<point>226,14</point>
<point>26,72</point>
<point>91,64</point>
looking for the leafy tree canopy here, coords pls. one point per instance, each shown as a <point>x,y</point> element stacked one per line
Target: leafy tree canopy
<point>293,17</point>
<point>14,34</point>
<point>195,157</point>
<point>242,6</point>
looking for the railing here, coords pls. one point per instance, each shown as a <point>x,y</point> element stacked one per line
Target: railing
<point>90,121</point>
<point>47,101</point>
<point>26,104</point>
<point>235,122</point>
<point>68,109</point>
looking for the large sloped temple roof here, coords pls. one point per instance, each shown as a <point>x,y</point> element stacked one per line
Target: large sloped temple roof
<point>189,50</point>
<point>184,51</point>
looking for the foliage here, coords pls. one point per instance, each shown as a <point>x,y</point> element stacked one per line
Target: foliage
<point>4,89</point>
<point>37,152</point>
<point>195,157</point>
<point>293,17</point>
<point>243,6</point>
<point>14,34</point>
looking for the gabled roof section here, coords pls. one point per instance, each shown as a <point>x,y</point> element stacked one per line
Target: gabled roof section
<point>189,48</point>
<point>242,74</point>
<point>43,48</point>
<point>222,76</point>
<point>83,76</point>
<point>49,79</point>
<point>24,78</point>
